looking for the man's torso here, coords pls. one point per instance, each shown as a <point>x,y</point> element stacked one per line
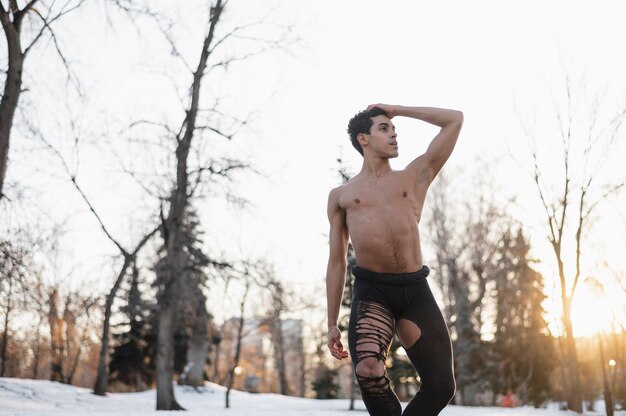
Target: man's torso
<point>382,217</point>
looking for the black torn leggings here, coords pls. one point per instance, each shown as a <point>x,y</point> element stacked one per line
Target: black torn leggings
<point>379,301</point>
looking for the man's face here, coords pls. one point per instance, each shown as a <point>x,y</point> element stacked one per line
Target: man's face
<point>382,138</point>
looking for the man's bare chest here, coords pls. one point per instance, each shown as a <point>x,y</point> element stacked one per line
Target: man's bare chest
<point>393,196</point>
<point>376,197</point>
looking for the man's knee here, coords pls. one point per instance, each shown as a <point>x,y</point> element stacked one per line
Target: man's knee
<point>370,374</point>
<point>370,368</point>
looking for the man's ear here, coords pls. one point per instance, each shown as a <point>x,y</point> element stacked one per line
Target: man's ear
<point>362,139</point>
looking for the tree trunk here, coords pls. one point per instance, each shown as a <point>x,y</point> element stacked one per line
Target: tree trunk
<point>73,366</point>
<point>102,376</point>
<point>175,258</point>
<point>56,344</point>
<point>216,360</point>
<point>279,355</point>
<point>5,332</point>
<point>563,366</point>
<point>302,381</point>
<point>231,372</point>
<point>72,342</point>
<point>168,297</point>
<point>574,397</point>
<point>165,356</point>
<point>37,351</point>
<point>12,87</point>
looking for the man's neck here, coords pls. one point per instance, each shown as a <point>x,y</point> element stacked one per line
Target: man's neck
<point>375,167</point>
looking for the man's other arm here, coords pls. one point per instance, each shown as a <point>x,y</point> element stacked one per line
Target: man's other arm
<point>336,272</point>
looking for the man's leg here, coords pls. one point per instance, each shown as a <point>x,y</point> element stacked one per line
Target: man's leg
<point>370,334</point>
<point>424,331</point>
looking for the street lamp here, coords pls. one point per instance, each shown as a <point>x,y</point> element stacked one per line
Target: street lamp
<point>613,366</point>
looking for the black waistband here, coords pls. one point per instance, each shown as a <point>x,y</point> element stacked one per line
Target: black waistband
<point>399,279</point>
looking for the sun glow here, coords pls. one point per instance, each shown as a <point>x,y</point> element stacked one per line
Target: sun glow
<point>594,310</point>
<point>591,312</point>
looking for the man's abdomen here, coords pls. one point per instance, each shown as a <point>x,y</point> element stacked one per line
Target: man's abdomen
<point>387,245</point>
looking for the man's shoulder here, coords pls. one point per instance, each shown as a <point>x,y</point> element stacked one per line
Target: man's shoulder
<point>350,183</point>
<point>341,193</point>
<point>335,193</point>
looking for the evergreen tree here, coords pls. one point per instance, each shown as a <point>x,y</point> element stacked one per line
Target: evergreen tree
<point>131,360</point>
<point>325,384</point>
<point>191,334</point>
<point>191,340</point>
<point>522,343</point>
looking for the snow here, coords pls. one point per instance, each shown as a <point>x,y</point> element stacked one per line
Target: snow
<point>39,397</point>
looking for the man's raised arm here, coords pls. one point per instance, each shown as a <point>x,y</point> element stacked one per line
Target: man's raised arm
<point>336,272</point>
<point>440,148</point>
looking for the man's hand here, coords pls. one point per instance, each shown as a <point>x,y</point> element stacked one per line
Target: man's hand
<point>334,344</point>
<point>391,110</point>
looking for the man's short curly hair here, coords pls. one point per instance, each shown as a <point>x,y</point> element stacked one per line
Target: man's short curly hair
<point>362,123</point>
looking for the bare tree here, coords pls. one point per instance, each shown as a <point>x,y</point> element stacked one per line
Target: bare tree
<point>261,275</point>
<point>13,19</point>
<point>29,289</point>
<point>585,139</point>
<point>102,376</point>
<point>278,338</point>
<point>128,256</point>
<point>56,341</point>
<point>13,264</point>
<point>65,345</point>
<point>202,118</point>
<point>183,188</point>
<point>231,371</point>
<point>172,224</point>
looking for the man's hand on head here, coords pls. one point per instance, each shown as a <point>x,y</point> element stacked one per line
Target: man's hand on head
<point>334,344</point>
<point>391,110</point>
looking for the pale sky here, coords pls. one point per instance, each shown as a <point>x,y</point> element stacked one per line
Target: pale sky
<point>496,61</point>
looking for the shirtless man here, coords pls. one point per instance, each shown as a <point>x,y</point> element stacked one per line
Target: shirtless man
<point>379,210</point>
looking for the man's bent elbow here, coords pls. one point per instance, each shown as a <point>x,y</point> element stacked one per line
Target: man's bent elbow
<point>458,116</point>
<point>454,120</point>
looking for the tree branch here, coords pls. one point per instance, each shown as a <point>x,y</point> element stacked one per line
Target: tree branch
<point>47,22</point>
<point>19,15</point>
<point>550,216</point>
<point>80,191</point>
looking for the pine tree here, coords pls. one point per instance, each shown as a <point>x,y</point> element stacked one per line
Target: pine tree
<point>522,343</point>
<point>131,362</point>
<point>192,321</point>
<point>191,335</point>
<point>325,384</point>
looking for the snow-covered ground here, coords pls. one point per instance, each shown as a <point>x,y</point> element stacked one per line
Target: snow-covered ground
<point>39,398</point>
